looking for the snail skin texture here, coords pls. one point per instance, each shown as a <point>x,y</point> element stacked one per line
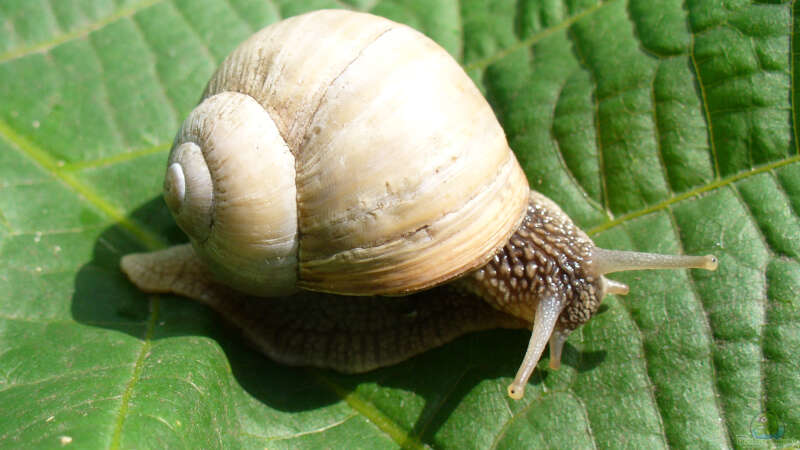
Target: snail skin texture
<point>360,162</point>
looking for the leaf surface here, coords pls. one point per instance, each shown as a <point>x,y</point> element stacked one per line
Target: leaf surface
<point>659,126</point>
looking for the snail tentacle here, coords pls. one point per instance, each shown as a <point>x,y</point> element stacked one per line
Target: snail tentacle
<point>557,341</point>
<point>547,312</point>
<point>610,261</point>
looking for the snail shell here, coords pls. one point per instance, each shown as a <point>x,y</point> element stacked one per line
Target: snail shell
<point>380,168</point>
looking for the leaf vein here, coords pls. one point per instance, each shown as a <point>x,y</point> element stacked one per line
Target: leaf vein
<point>708,330</point>
<point>203,44</point>
<point>482,64</point>
<point>421,427</point>
<point>596,122</point>
<point>50,165</point>
<point>641,357</point>
<point>792,88</point>
<point>762,300</point>
<point>562,160</point>
<point>778,183</point>
<point>136,374</point>
<point>156,74</point>
<point>105,103</point>
<point>718,183</point>
<point>116,158</point>
<point>59,231</point>
<point>704,102</point>
<point>371,413</point>
<point>657,138</point>
<point>81,373</point>
<point>84,31</point>
<point>321,429</point>
<point>585,413</point>
<point>43,417</point>
<point>240,16</point>
<point>56,21</point>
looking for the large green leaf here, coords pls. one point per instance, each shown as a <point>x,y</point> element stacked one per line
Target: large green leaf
<point>658,125</point>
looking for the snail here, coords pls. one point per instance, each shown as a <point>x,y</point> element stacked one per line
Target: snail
<point>345,154</point>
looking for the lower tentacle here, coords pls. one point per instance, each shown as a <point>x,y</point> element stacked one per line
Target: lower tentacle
<point>544,322</point>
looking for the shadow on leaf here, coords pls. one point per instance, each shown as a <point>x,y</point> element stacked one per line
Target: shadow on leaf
<point>441,377</point>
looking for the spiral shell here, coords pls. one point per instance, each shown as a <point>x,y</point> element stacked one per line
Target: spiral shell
<point>342,152</point>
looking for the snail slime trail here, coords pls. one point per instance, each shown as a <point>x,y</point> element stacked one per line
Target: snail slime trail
<point>310,263</point>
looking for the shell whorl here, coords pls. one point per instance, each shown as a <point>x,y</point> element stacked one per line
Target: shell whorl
<point>230,186</point>
<point>188,190</point>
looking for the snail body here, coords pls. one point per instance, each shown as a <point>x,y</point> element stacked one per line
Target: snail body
<point>361,160</point>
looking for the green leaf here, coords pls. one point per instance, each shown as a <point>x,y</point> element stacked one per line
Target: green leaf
<point>661,125</point>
